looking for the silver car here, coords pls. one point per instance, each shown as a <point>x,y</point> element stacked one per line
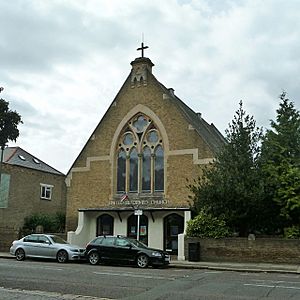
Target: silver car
<point>46,246</point>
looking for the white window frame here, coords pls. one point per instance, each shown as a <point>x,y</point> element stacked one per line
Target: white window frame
<point>45,189</point>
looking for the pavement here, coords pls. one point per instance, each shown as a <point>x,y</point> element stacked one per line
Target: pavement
<point>223,266</point>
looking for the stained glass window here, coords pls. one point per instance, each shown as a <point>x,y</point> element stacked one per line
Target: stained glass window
<point>121,177</point>
<point>146,179</point>
<point>133,176</point>
<point>140,159</point>
<point>159,169</point>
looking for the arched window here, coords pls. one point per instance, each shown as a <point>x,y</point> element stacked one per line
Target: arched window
<point>105,225</point>
<point>132,228</point>
<point>140,159</point>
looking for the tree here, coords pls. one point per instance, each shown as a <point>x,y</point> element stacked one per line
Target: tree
<point>231,185</point>
<point>280,162</point>
<point>9,121</point>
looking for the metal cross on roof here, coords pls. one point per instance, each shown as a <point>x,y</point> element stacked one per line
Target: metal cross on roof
<point>142,48</point>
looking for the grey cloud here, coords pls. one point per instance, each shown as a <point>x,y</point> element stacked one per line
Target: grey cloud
<point>33,40</point>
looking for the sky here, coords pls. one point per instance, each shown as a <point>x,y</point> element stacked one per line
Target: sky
<point>62,62</point>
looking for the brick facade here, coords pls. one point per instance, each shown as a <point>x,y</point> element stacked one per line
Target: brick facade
<point>91,182</point>
<point>24,200</point>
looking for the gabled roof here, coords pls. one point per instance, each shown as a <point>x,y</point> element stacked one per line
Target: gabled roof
<point>209,133</point>
<point>18,157</point>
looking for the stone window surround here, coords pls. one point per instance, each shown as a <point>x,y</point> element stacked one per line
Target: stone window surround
<point>111,158</point>
<point>139,144</point>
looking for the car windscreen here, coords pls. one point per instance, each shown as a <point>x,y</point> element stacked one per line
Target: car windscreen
<point>58,240</point>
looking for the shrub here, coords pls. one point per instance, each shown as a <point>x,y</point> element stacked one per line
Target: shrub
<point>292,232</point>
<point>50,222</point>
<point>204,225</point>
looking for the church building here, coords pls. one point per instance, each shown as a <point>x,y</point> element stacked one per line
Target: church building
<point>130,177</point>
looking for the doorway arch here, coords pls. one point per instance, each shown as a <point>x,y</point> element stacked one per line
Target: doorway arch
<point>173,225</point>
<point>105,225</point>
<point>132,228</point>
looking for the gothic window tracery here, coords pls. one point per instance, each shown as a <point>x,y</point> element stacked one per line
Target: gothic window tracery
<point>140,157</point>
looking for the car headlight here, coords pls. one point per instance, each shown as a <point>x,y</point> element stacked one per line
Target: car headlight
<point>156,254</point>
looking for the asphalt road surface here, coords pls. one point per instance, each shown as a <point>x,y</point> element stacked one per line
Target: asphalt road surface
<point>37,280</point>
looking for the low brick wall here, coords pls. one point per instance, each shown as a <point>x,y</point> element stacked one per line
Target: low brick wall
<point>244,250</point>
<point>7,235</point>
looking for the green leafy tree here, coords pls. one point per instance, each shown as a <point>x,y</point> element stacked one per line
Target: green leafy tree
<point>9,121</point>
<point>204,225</point>
<point>231,185</point>
<point>280,162</point>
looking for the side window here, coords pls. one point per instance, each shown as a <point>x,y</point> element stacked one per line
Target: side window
<point>31,239</point>
<point>122,243</point>
<point>43,239</point>
<point>108,241</point>
<point>46,191</point>
<point>98,241</point>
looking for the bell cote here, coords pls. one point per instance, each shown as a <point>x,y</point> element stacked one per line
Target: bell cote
<point>141,67</point>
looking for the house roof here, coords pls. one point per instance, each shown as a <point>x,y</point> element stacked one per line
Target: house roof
<point>18,157</point>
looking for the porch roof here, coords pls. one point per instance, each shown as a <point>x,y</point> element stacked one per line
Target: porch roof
<point>120,209</point>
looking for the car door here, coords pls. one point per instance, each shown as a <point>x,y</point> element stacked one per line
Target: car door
<point>30,245</point>
<point>45,247</point>
<point>107,248</point>
<point>123,250</point>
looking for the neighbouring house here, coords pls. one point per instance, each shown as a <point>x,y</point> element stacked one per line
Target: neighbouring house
<point>130,177</point>
<point>28,186</point>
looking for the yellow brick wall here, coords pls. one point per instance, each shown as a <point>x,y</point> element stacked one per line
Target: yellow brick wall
<point>94,187</point>
<point>24,199</point>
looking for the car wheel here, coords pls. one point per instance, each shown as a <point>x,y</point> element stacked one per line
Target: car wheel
<point>62,256</point>
<point>94,258</point>
<point>142,261</point>
<point>20,254</point>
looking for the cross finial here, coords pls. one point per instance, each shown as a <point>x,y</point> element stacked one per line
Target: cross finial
<point>142,48</point>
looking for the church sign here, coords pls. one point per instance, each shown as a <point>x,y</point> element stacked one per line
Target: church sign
<point>145,202</point>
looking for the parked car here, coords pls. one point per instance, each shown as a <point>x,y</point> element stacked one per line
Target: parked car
<point>46,246</point>
<point>120,249</point>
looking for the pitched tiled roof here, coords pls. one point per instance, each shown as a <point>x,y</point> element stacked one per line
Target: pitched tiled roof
<point>18,157</point>
<point>209,133</point>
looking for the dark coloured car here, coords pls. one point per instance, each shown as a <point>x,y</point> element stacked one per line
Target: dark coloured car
<point>120,249</point>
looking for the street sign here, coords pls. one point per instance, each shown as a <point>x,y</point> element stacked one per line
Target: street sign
<point>138,212</point>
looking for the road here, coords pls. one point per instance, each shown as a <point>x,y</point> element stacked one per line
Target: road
<point>37,280</point>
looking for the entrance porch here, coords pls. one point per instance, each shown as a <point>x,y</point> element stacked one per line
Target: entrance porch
<point>161,228</point>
